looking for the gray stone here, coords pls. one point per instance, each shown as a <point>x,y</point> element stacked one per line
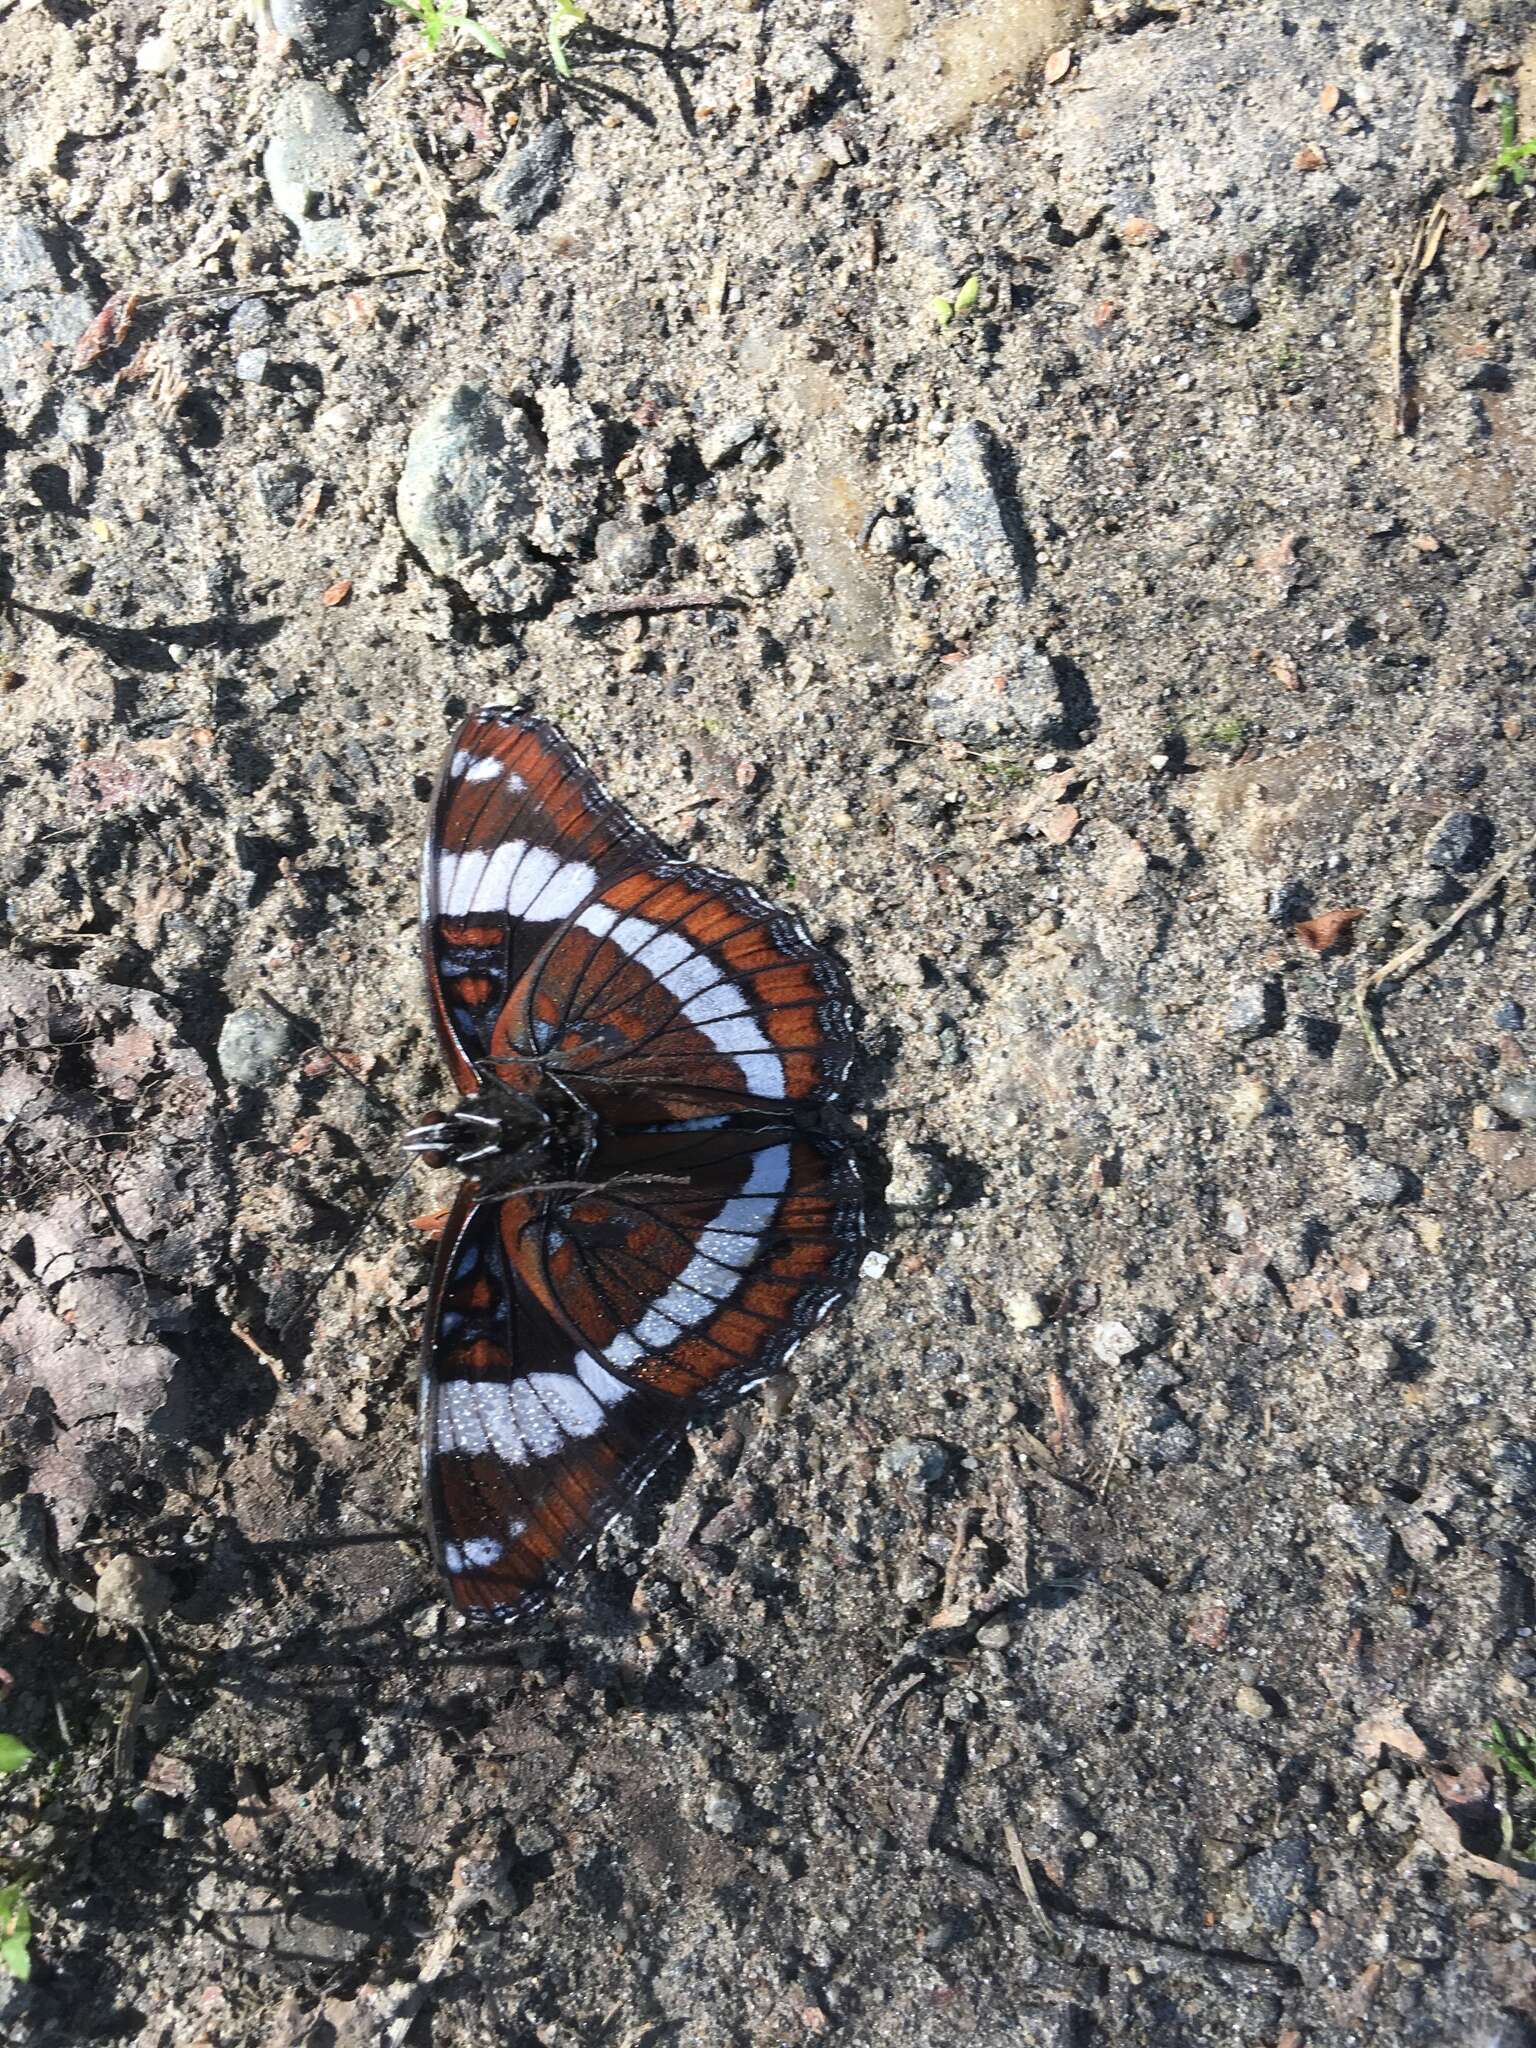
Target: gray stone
<point>888,537</point>
<point>916,1462</point>
<point>1460,843</point>
<point>281,486</point>
<point>1253,1011</point>
<point>763,566</point>
<point>26,264</point>
<point>918,1179</point>
<point>529,176</point>
<point>724,1809</point>
<point>1236,306</point>
<point>1168,1440</point>
<point>1379,1184</point>
<point>1366,1535</point>
<point>250,321</point>
<point>320,25</point>
<point>311,165</point>
<point>253,1046</point>
<point>1517,1099</point>
<point>40,326</point>
<point>469,492</point>
<point>1008,690</point>
<point>628,554</point>
<point>964,509</point>
<point>251,365</point>
<point>724,443</point>
<point>1111,1341</point>
<point>1280,1879</point>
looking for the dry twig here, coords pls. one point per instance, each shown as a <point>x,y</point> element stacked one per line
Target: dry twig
<point>1413,956</point>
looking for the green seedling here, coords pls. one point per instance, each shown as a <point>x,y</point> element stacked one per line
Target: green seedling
<point>564,18</point>
<point>15,1933</point>
<point>1515,1749</point>
<point>1512,159</point>
<point>15,1916</point>
<point>944,310</point>
<point>435,20</point>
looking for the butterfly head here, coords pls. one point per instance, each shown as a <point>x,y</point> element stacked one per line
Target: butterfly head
<point>500,1135</point>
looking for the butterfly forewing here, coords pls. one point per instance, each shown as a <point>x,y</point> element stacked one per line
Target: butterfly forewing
<point>577,1327</point>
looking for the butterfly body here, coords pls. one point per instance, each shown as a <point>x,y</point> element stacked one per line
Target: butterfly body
<point>656,1204</point>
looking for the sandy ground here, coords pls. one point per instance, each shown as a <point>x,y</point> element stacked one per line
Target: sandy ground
<point>1104,442</point>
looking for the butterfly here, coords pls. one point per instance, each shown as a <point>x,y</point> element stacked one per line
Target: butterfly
<point>657,1202</point>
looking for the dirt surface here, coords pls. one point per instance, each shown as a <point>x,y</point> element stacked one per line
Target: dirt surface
<point>1118,661</point>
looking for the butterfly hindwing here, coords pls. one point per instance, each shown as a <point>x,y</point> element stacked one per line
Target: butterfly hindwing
<point>574,1336</point>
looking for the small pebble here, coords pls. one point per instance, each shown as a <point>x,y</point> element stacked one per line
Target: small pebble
<point>1518,1099</point>
<point>1508,1015</point>
<point>724,1809</point>
<point>1460,843</point>
<point>1251,1704</point>
<point>1253,1011</point>
<point>1025,1311</point>
<point>1110,1342</point>
<point>253,1046</point>
<point>1379,1184</point>
<point>1236,306</point>
<point>131,1593</point>
<point>156,55</point>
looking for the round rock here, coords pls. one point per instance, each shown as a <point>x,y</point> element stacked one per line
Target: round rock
<point>1460,843</point>
<point>253,1046</point>
<point>131,1593</point>
<point>469,491</point>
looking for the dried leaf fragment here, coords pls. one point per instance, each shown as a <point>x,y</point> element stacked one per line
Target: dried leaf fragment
<point>1058,64</point>
<point>1309,158</point>
<point>338,593</point>
<point>108,328</point>
<point>1329,931</point>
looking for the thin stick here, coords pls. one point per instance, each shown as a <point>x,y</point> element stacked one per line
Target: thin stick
<point>1022,1872</point>
<point>649,601</point>
<point>1413,956</point>
<point>1425,247</point>
<point>128,1721</point>
<point>887,1706</point>
<point>319,280</point>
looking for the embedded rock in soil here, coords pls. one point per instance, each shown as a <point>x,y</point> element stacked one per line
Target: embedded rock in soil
<point>1270,170</point>
<point>311,163</point>
<point>965,509</point>
<point>469,491</point>
<point>40,321</point>
<point>328,30</point>
<point>253,1045</point>
<point>1008,691</point>
<point>529,177</point>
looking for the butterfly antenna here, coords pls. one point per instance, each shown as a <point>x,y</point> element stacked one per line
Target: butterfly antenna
<point>345,1253</point>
